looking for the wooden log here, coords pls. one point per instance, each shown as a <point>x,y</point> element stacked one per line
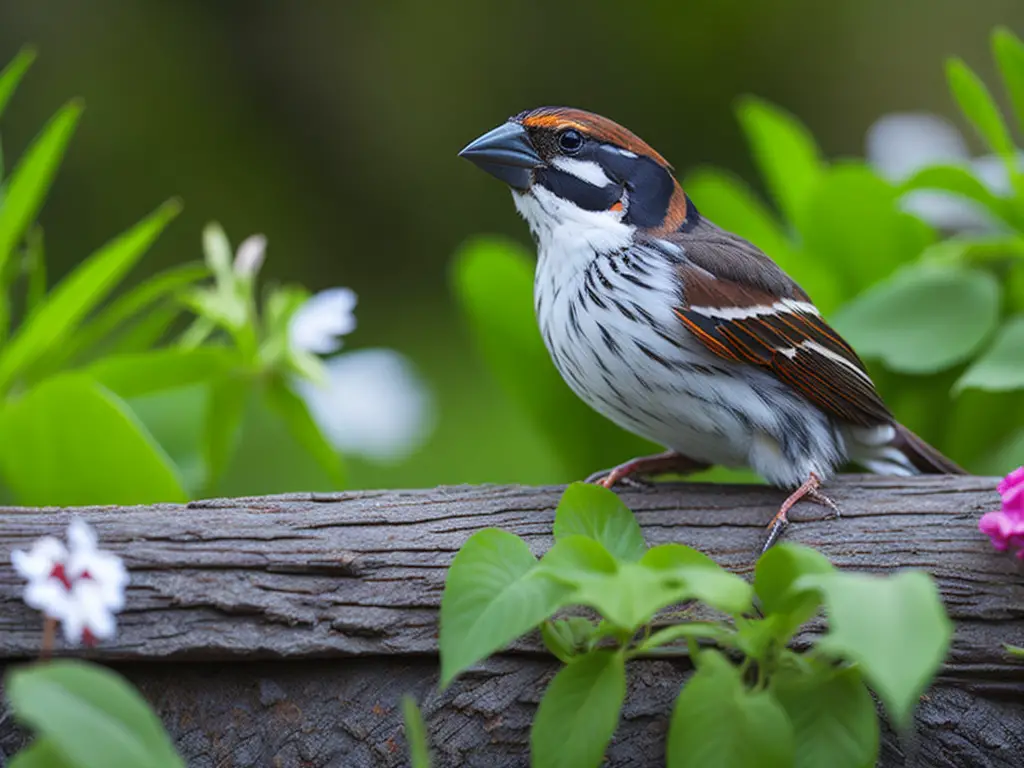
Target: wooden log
<point>284,630</point>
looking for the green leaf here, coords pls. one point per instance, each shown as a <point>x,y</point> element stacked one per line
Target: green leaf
<point>146,332</point>
<point>217,252</point>
<point>175,419</point>
<point>999,368</point>
<point>34,269</point>
<point>92,715</point>
<point>979,107</point>
<point>80,292</point>
<point>924,319</point>
<point>895,628</point>
<point>415,733</point>
<point>1009,53</point>
<point>145,372</point>
<point>566,638</point>
<point>293,412</point>
<point>860,255</point>
<point>961,182</point>
<point>133,303</point>
<point>579,712</point>
<point>222,424</point>
<point>42,753</point>
<point>973,250</point>
<point>690,573</point>
<point>1014,650</point>
<point>594,511</point>
<point>717,721</point>
<point>785,153</point>
<point>626,594</point>
<point>69,442</point>
<point>493,282</point>
<point>493,594</point>
<point>695,630</point>
<point>26,188</point>
<point>12,74</point>
<point>775,582</point>
<point>833,718</point>
<point>1006,457</point>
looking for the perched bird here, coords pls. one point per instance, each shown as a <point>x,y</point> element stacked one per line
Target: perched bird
<point>678,330</point>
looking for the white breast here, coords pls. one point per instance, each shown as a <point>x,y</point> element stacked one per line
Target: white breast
<point>605,309</point>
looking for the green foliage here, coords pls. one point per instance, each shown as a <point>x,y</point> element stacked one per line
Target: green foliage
<point>69,441</point>
<point>604,518</point>
<point>496,594</point>
<point>77,294</point>
<point>1001,367</point>
<point>28,184</point>
<point>833,718</point>
<point>415,734</point>
<point>913,306</point>
<point>902,645</point>
<point>719,720</point>
<point>86,716</point>
<point>579,711</point>
<point>899,320</point>
<point>75,364</point>
<point>752,701</point>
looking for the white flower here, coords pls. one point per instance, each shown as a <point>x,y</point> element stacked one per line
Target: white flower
<point>319,323</point>
<point>373,405</point>
<point>79,585</point>
<point>900,144</point>
<point>250,255</point>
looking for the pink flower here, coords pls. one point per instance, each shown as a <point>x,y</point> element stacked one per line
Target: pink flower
<point>1006,527</point>
<point>1012,490</point>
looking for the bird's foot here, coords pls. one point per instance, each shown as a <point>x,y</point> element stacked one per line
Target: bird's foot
<point>657,464</point>
<point>810,490</point>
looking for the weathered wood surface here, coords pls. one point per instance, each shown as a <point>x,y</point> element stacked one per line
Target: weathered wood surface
<point>283,630</point>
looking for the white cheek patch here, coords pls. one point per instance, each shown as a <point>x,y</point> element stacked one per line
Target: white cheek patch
<point>585,170</point>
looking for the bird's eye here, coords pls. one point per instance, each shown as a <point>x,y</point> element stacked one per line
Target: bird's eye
<point>570,141</point>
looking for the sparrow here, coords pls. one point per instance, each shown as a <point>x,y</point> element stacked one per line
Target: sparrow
<point>680,331</point>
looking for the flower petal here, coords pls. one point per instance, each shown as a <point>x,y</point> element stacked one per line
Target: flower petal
<point>375,405</point>
<point>91,607</point>
<point>49,596</point>
<point>317,325</point>
<point>38,562</point>
<point>81,537</point>
<point>902,143</point>
<point>1011,489</point>
<point>250,256</point>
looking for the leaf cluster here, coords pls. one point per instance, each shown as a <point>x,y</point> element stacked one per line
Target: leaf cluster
<point>85,716</point>
<point>752,700</point>
<point>90,368</point>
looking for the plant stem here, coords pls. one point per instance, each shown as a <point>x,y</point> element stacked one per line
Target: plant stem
<point>49,634</point>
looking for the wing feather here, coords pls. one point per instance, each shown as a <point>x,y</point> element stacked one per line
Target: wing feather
<point>784,335</point>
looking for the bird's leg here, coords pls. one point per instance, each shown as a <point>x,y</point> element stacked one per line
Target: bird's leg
<point>810,491</point>
<point>659,463</point>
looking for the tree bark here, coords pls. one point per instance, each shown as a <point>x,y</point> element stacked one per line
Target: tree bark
<point>283,631</point>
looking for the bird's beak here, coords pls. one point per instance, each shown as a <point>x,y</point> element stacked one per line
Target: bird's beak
<point>506,153</point>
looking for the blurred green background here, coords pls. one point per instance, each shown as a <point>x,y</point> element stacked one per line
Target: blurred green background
<point>333,128</point>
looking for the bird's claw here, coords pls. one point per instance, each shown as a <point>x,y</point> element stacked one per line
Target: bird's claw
<point>607,479</point>
<point>809,491</point>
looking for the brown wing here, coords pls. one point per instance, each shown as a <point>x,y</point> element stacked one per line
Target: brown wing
<point>781,331</point>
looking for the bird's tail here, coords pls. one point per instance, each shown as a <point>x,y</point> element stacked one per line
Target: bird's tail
<point>896,450</point>
<point>924,458</point>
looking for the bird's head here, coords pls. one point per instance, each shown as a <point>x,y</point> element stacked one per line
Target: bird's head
<point>576,163</point>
